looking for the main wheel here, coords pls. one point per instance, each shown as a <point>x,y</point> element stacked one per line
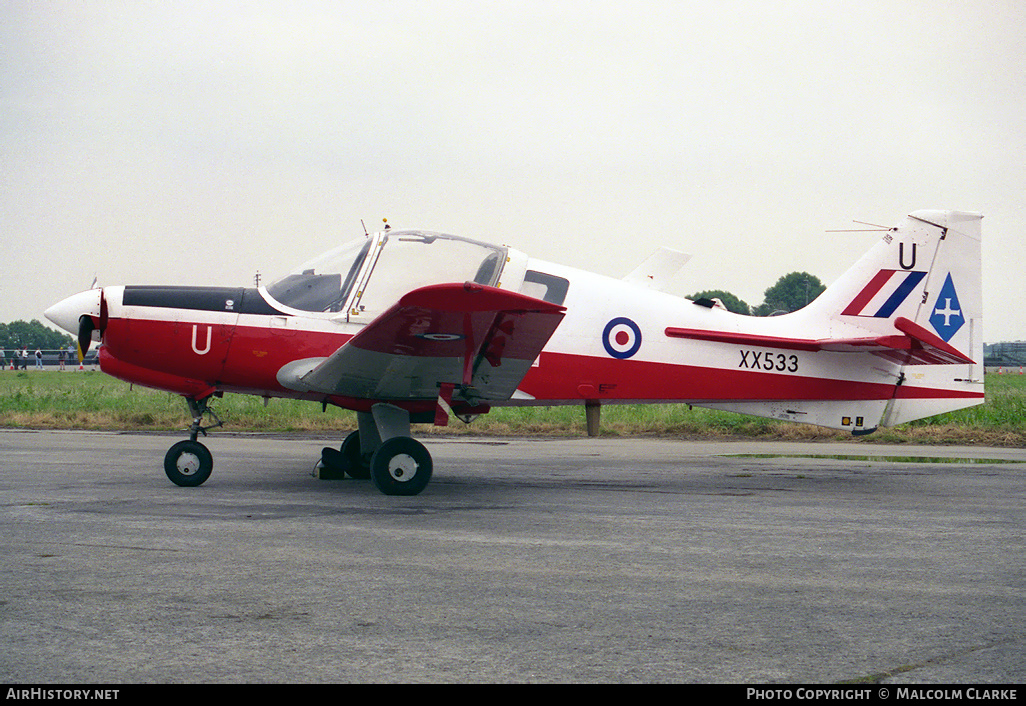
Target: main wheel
<point>357,463</point>
<point>401,466</point>
<point>188,463</point>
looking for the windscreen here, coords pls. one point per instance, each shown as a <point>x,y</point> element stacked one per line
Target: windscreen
<point>375,271</point>
<point>323,284</point>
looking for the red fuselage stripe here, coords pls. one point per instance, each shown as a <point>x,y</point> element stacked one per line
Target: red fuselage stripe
<point>185,357</point>
<point>560,375</point>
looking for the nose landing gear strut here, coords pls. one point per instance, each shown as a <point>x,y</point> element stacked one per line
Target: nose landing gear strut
<point>189,463</point>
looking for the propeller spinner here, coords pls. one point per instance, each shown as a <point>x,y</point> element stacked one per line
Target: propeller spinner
<point>80,314</point>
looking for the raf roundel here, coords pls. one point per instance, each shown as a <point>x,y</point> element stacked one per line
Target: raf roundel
<point>621,338</point>
<point>440,336</point>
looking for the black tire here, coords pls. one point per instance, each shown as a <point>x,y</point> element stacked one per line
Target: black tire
<point>401,466</point>
<point>357,463</point>
<point>188,463</point>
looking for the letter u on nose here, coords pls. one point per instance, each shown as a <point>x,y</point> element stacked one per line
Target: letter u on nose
<point>197,350</point>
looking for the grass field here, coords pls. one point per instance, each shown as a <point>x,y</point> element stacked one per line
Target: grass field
<point>91,400</point>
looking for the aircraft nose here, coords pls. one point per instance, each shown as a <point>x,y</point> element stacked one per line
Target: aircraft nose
<point>67,312</point>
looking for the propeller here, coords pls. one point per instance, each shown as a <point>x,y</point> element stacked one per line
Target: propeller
<point>85,335</point>
<point>86,326</point>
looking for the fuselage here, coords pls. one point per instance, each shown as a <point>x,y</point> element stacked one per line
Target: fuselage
<point>616,343</point>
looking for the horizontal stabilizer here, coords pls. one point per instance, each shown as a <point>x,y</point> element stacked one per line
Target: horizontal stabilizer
<point>911,345</point>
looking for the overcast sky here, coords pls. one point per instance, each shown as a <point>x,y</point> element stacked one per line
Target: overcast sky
<point>201,142</point>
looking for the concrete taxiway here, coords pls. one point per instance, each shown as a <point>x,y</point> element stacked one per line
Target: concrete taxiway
<point>583,560</point>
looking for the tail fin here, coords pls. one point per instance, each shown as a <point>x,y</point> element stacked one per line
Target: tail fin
<point>927,271</point>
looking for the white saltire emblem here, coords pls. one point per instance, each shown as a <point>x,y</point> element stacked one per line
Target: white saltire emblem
<point>947,317</point>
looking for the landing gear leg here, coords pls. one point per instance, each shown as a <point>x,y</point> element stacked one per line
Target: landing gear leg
<point>197,408</point>
<point>399,465</point>
<point>189,463</point>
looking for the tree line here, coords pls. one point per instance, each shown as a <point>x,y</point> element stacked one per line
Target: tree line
<point>791,292</point>
<point>32,334</point>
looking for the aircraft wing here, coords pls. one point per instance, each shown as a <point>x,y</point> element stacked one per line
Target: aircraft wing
<point>479,340</point>
<point>911,345</point>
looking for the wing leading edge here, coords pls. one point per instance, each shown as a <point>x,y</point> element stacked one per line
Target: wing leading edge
<point>474,340</point>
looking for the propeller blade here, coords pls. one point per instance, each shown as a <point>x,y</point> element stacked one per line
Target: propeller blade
<point>104,315</point>
<point>85,335</point>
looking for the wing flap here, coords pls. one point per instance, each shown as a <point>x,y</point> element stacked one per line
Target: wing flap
<point>912,345</point>
<point>480,339</point>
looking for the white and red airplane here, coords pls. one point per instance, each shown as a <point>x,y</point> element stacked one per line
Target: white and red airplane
<point>412,326</point>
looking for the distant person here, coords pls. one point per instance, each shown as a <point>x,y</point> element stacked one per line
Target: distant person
<point>62,358</point>
<point>3,356</point>
<point>23,361</point>
<point>39,359</point>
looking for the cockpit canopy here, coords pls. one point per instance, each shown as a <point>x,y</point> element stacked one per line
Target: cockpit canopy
<point>366,276</point>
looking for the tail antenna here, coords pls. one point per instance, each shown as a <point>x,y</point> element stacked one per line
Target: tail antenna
<point>874,229</point>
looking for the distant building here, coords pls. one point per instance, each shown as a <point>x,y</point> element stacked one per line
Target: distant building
<point>1005,354</point>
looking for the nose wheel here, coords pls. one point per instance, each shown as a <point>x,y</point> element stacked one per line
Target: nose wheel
<point>188,463</point>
